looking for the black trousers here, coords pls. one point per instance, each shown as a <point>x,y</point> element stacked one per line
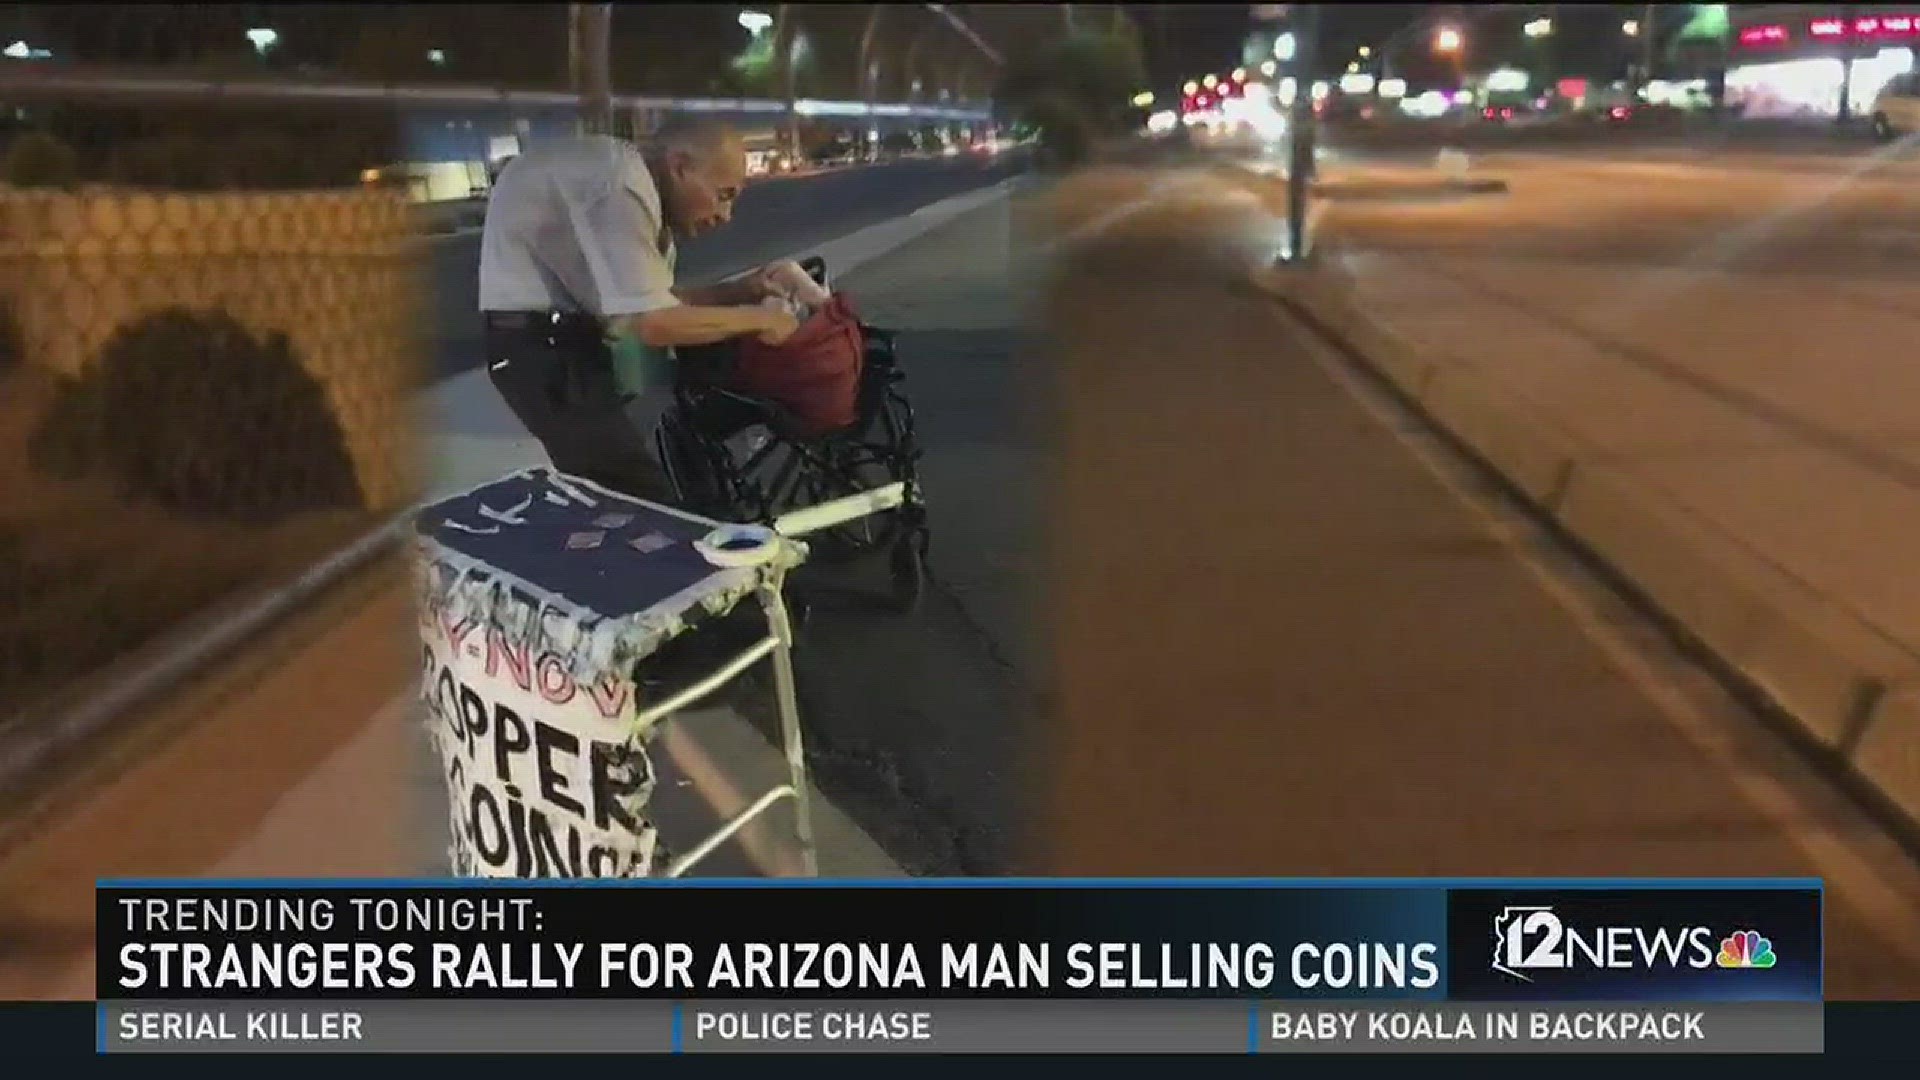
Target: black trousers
<point>558,379</point>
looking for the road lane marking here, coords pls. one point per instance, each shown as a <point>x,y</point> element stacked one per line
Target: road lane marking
<point>1846,870</point>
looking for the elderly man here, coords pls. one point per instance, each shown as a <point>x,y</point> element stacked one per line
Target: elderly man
<point>579,248</point>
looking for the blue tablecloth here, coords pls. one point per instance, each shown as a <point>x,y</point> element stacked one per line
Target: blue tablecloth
<point>591,575</point>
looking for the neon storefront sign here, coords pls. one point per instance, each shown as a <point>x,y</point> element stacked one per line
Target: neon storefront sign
<point>1758,36</point>
<point>1867,27</point>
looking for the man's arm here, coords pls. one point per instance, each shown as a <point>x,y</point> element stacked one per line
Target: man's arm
<point>695,324</point>
<point>635,287</point>
<point>735,293</point>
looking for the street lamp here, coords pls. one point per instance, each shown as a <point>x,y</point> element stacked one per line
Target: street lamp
<point>1447,40</point>
<point>1143,99</point>
<point>1365,52</point>
<point>1191,88</point>
<point>1239,74</point>
<point>1631,28</point>
<point>1267,68</point>
<point>755,22</point>
<point>263,38</point>
<point>1538,28</point>
<point>437,56</point>
<point>1284,46</point>
<point>1210,81</point>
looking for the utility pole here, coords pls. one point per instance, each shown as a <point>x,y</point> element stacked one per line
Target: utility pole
<point>1301,130</point>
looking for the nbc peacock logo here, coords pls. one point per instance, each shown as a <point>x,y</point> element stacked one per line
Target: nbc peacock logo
<point>1745,949</point>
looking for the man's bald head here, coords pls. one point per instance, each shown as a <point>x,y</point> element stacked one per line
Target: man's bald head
<point>699,164</point>
<point>703,136</point>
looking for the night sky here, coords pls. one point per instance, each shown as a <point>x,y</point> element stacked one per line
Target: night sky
<point>685,46</point>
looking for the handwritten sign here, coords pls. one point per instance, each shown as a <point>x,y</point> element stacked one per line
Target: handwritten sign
<point>545,776</point>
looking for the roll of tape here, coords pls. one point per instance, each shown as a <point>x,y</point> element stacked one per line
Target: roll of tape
<point>738,545</point>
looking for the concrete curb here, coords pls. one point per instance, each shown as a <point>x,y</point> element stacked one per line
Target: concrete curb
<point>1845,693</point>
<point>1362,190</point>
<point>27,745</point>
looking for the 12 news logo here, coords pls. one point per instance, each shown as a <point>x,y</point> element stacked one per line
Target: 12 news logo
<point>1534,939</point>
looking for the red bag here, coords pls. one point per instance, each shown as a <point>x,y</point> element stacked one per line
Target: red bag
<point>815,374</point>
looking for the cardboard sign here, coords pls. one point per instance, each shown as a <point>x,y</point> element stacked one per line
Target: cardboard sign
<point>544,775</point>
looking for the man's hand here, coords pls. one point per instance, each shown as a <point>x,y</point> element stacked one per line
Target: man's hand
<point>760,284</point>
<point>789,281</point>
<point>780,325</point>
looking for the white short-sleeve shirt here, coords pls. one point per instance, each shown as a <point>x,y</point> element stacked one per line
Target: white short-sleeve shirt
<point>576,225</point>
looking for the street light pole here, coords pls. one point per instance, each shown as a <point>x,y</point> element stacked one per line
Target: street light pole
<point>912,64</point>
<point>869,73</point>
<point>1848,47</point>
<point>598,93</point>
<point>786,40</point>
<point>577,48</point>
<point>1649,33</point>
<point>589,70</point>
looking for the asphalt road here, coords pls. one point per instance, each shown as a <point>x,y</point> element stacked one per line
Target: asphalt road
<point>774,217</point>
<point>1786,136</point>
<point>1850,214</point>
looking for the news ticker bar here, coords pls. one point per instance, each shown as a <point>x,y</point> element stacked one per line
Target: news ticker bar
<point>949,1027</point>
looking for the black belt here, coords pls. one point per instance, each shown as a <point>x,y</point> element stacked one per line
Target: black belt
<point>540,320</point>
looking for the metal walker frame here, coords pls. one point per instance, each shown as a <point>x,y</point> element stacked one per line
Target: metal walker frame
<point>777,645</point>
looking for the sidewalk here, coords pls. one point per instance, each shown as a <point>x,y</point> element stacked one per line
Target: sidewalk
<point>1293,638</point>
<point>1719,401</point>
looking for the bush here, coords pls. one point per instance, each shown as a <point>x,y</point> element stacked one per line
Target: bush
<point>207,147</point>
<point>190,411</point>
<point>12,347</point>
<point>38,159</point>
<point>66,443</point>
<point>1067,137</point>
<point>1075,91</point>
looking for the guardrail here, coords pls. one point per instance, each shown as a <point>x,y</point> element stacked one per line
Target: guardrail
<point>69,82</point>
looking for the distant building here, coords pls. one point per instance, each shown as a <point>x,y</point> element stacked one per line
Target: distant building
<point>1791,60</point>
